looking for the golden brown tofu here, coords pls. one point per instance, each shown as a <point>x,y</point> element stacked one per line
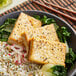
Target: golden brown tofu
<point>47,52</point>
<point>22,21</point>
<point>47,32</point>
<point>34,22</point>
<point>19,28</point>
<point>27,35</point>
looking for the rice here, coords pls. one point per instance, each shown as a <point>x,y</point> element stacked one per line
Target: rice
<point>13,61</point>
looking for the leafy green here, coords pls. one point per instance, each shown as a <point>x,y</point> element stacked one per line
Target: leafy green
<point>70,58</point>
<point>44,19</point>
<point>58,70</point>
<point>53,70</point>
<point>63,34</point>
<point>6,29</point>
<point>8,22</point>
<point>37,17</point>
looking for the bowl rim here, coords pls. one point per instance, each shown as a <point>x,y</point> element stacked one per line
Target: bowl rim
<point>43,13</point>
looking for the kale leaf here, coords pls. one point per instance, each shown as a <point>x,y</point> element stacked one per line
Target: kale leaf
<point>37,17</point>
<point>53,70</point>
<point>58,70</point>
<point>6,29</point>
<point>70,59</point>
<point>47,21</point>
<point>44,19</point>
<point>63,34</point>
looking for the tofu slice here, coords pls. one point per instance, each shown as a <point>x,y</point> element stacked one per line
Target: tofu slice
<point>47,52</point>
<point>27,35</point>
<point>47,32</point>
<point>34,22</point>
<point>19,28</point>
<point>22,21</point>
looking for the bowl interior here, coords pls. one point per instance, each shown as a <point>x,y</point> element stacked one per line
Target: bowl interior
<point>59,21</point>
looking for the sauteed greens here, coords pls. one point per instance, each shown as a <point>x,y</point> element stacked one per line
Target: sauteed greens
<point>58,70</point>
<point>6,29</point>
<point>70,59</point>
<point>51,70</point>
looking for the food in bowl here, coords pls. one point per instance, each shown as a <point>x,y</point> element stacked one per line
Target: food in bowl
<point>34,46</point>
<point>4,3</point>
